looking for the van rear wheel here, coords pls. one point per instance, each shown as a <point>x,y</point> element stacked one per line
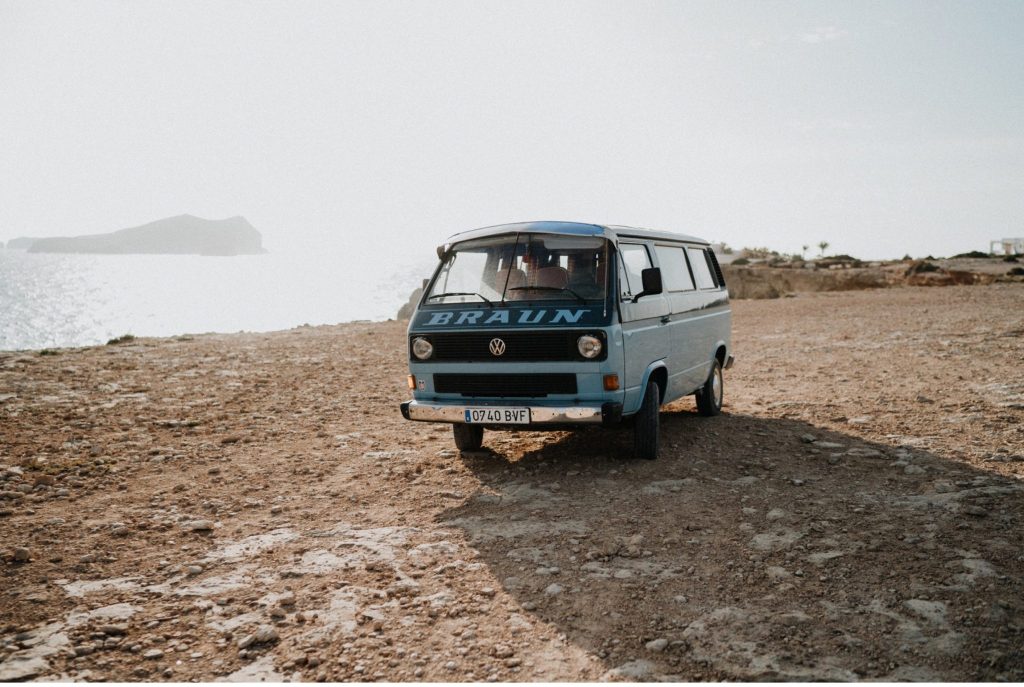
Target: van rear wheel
<point>468,437</point>
<point>645,424</point>
<point>709,397</point>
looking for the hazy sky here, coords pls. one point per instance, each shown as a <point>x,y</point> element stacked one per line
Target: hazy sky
<point>881,127</point>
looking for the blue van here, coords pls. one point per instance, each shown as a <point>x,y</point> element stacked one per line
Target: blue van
<point>552,325</point>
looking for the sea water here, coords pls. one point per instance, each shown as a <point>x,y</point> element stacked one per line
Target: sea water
<point>52,300</point>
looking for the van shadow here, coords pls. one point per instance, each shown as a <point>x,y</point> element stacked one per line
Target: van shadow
<point>756,549</point>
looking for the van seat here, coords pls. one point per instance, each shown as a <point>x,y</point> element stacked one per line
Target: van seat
<point>553,277</point>
<point>515,276</point>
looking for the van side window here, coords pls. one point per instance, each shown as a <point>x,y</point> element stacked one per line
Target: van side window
<point>634,261</point>
<point>701,271</point>
<point>674,274</point>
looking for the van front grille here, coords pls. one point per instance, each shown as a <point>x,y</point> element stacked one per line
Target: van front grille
<point>505,385</point>
<point>524,346</point>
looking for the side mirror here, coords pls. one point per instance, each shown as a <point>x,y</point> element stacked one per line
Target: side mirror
<point>651,279</point>
<point>441,251</point>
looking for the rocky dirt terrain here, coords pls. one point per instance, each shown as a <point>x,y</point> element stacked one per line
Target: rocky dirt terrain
<point>253,507</point>
<point>763,280</point>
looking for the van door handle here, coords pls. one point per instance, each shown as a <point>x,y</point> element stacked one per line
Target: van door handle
<point>666,319</point>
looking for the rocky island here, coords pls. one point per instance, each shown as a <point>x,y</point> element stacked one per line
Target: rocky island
<point>181,235</point>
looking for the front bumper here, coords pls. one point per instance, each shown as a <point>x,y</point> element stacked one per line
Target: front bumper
<point>606,414</point>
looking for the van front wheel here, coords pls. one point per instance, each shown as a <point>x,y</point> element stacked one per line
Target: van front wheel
<point>709,397</point>
<point>645,425</point>
<point>468,437</point>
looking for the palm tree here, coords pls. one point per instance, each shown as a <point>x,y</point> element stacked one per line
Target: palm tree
<point>803,249</point>
<point>823,245</point>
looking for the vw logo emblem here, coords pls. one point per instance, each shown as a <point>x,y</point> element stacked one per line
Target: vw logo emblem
<point>497,347</point>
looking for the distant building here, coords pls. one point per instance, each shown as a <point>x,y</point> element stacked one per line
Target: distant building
<point>1006,247</point>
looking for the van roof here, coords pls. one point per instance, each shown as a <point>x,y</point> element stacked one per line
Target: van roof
<point>609,231</point>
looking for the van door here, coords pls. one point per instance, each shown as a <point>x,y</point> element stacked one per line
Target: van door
<point>644,333</point>
<point>686,357</point>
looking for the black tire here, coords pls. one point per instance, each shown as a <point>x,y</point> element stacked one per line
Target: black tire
<point>709,397</point>
<point>468,437</point>
<point>645,424</point>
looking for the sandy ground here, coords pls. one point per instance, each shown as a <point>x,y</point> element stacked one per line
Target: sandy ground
<point>254,507</point>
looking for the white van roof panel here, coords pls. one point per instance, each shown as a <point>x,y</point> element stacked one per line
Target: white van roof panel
<point>610,231</point>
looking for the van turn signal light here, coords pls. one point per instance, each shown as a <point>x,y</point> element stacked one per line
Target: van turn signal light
<point>412,382</point>
<point>611,382</point>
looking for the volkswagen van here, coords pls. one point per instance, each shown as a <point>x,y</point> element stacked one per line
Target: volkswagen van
<point>555,325</point>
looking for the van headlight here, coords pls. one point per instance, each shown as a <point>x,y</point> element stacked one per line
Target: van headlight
<point>422,348</point>
<point>589,346</point>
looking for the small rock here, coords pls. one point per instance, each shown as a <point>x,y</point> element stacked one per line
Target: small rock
<point>775,514</point>
<point>553,589</point>
<point>45,480</point>
<point>808,438</point>
<point>266,634</point>
<point>21,555</point>
<point>656,644</point>
<point>198,526</point>
<point>287,599</point>
<point>487,591</point>
<point>194,569</point>
<point>976,511</point>
<point>633,671</point>
<point>944,488</point>
<point>503,651</point>
<point>793,618</point>
<point>84,649</point>
<point>913,470</point>
<point>153,654</point>
<point>114,629</point>
<point>1005,458</point>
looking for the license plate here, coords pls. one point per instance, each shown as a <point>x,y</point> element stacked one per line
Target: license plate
<point>498,416</point>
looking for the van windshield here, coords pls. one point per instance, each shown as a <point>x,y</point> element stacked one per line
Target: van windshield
<point>523,267</point>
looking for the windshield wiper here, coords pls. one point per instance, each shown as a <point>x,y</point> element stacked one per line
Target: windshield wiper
<point>549,288</point>
<point>461,293</point>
